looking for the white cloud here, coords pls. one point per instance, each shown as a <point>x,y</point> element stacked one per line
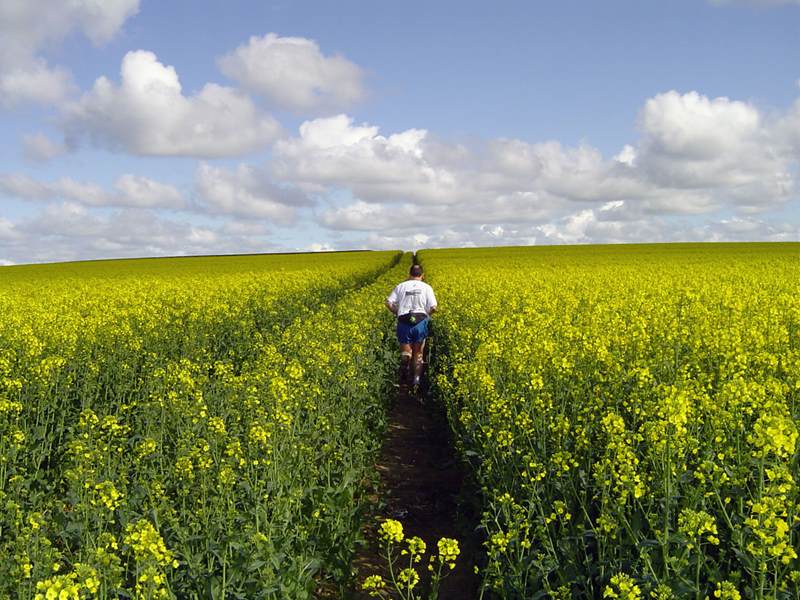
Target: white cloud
<point>748,229</point>
<point>69,231</point>
<point>586,226</point>
<point>28,27</point>
<point>788,130</point>
<point>245,192</point>
<point>373,216</point>
<point>428,178</point>
<point>38,147</point>
<point>692,142</point>
<point>138,191</point>
<point>8,230</point>
<point>454,236</point>
<point>292,73</point>
<point>332,152</point>
<point>368,216</point>
<point>245,228</point>
<point>129,191</point>
<point>693,128</point>
<point>700,170</point>
<point>148,114</point>
<point>407,242</point>
<point>626,156</point>
<point>34,82</point>
<point>579,227</point>
<point>695,156</point>
<point>319,247</point>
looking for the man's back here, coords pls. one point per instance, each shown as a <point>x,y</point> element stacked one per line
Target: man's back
<point>413,296</point>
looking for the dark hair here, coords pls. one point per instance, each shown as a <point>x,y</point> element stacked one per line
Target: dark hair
<point>415,271</point>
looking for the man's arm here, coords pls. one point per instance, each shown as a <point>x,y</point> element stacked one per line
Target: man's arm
<point>392,301</point>
<point>432,304</point>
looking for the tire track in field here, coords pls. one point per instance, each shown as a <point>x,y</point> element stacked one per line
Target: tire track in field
<point>422,484</point>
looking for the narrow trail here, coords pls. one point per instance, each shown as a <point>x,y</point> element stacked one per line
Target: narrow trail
<point>422,484</point>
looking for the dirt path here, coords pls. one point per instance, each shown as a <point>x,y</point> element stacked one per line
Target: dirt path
<point>422,485</point>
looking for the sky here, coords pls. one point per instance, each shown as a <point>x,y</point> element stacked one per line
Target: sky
<point>146,128</point>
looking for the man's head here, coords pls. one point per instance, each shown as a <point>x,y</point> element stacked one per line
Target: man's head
<point>415,271</point>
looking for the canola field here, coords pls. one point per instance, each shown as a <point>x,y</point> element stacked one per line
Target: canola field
<point>190,428</point>
<point>630,414</point>
<point>208,427</point>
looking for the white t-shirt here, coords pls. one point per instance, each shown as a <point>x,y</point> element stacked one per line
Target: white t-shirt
<point>413,296</point>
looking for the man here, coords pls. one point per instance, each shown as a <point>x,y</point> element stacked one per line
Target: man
<point>413,302</point>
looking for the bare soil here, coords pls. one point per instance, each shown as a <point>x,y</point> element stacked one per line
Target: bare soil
<point>422,485</point>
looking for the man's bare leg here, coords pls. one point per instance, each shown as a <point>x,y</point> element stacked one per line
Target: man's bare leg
<point>416,359</point>
<point>406,357</point>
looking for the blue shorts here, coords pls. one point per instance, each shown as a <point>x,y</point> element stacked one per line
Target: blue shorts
<point>412,334</point>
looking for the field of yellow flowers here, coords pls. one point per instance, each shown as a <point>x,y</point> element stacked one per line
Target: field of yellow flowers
<point>192,428</point>
<point>207,427</point>
<point>630,413</point>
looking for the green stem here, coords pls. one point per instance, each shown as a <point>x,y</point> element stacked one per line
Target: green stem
<point>697,570</point>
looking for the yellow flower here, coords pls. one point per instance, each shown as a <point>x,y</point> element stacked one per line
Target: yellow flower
<point>448,551</point>
<point>107,496</point>
<point>147,544</point>
<point>391,531</point>
<point>416,547</point>
<point>374,584</point>
<point>408,578</point>
<point>727,591</point>
<point>622,586</point>
<point>696,524</point>
<point>217,425</point>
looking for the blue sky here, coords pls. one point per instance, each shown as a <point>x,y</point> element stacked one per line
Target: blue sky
<point>247,126</point>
